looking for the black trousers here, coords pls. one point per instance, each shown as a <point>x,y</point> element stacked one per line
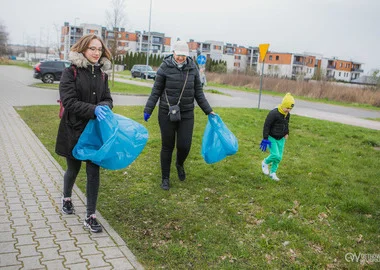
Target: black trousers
<point>174,133</point>
<point>92,187</point>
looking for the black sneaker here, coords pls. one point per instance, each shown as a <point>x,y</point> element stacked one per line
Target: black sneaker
<point>67,207</point>
<point>165,184</point>
<point>91,223</point>
<point>181,172</point>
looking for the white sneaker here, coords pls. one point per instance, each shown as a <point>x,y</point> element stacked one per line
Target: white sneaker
<point>264,168</point>
<point>274,177</point>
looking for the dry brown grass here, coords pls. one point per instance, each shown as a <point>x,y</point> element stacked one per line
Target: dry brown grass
<point>312,89</point>
<point>4,61</point>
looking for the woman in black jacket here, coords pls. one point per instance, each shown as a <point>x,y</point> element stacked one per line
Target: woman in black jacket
<point>84,92</point>
<point>177,82</point>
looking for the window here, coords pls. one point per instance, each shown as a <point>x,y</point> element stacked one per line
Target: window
<point>277,57</point>
<point>270,57</point>
<point>339,72</point>
<point>341,64</point>
<point>57,64</point>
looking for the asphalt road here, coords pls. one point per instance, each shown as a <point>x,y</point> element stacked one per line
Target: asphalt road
<point>15,88</point>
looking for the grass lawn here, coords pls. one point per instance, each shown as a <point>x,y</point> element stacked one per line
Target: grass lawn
<point>229,215</point>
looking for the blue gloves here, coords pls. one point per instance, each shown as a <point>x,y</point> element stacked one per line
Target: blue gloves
<point>146,116</point>
<point>100,112</point>
<point>264,144</point>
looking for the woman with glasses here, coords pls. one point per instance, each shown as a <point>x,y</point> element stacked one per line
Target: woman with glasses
<point>177,84</point>
<point>84,94</point>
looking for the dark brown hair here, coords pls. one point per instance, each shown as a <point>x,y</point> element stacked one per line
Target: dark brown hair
<point>82,44</point>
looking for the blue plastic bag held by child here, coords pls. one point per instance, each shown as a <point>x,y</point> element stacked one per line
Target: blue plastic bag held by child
<point>113,143</point>
<point>218,141</point>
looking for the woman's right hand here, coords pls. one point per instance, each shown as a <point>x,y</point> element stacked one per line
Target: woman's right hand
<point>100,112</point>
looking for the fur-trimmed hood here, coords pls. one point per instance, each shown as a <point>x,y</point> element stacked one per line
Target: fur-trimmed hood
<point>80,61</point>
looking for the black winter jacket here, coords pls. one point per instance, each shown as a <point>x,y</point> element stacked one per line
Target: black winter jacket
<point>171,79</point>
<point>80,94</point>
<point>276,125</point>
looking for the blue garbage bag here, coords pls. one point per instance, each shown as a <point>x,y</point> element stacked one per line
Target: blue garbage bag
<point>113,143</point>
<point>218,141</point>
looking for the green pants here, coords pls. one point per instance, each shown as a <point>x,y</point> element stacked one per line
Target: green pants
<point>276,150</point>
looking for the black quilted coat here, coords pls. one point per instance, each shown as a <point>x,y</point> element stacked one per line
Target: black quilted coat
<point>80,93</point>
<point>171,79</point>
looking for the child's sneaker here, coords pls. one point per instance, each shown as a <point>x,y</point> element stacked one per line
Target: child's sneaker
<point>67,206</point>
<point>91,223</point>
<point>264,167</point>
<point>274,177</point>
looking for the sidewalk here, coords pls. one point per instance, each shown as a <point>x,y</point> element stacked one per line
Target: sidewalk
<point>34,233</point>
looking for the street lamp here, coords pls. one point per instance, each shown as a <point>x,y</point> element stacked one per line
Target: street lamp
<point>149,41</point>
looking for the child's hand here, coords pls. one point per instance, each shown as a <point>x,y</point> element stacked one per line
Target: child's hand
<point>264,144</point>
<point>286,136</point>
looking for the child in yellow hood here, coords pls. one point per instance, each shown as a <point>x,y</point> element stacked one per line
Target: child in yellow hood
<point>275,132</point>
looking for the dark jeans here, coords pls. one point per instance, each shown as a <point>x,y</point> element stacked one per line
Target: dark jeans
<point>92,189</point>
<point>179,133</point>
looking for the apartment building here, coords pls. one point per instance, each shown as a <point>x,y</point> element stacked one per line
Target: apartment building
<point>238,58</point>
<point>70,34</point>
<point>341,70</point>
<point>305,66</point>
<point>126,41</point>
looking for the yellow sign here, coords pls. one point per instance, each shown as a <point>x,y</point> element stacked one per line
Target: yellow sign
<point>263,48</point>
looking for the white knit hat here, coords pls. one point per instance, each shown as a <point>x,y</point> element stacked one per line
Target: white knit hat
<point>181,48</point>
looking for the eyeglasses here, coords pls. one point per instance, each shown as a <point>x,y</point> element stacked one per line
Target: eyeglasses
<point>94,49</point>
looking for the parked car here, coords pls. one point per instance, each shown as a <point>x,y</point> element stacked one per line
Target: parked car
<point>50,70</point>
<point>142,70</point>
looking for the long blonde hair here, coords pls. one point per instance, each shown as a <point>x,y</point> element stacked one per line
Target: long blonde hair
<point>82,44</point>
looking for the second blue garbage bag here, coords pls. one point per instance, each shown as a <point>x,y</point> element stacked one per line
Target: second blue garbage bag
<point>218,141</point>
<point>113,143</point>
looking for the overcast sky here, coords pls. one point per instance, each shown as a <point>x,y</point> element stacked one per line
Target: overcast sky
<point>347,29</point>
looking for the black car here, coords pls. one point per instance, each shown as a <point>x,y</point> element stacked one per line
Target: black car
<point>50,70</point>
<point>142,70</point>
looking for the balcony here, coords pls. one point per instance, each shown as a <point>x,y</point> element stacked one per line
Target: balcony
<point>298,63</point>
<point>330,67</point>
<point>357,70</point>
<point>229,51</point>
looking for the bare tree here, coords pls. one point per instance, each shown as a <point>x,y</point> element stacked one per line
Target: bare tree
<point>115,19</point>
<point>3,39</point>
